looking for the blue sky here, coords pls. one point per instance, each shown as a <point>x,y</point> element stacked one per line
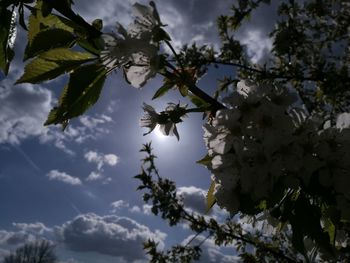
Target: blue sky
<point>76,187</point>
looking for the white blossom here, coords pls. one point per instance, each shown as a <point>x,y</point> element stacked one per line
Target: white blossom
<point>147,22</point>
<point>343,120</point>
<point>169,128</point>
<point>164,120</point>
<point>135,50</point>
<point>261,138</point>
<point>150,119</point>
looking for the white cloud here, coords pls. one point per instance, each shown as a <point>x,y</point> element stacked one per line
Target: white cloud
<point>95,122</point>
<point>135,209</point>
<point>193,198</point>
<point>15,238</point>
<point>111,159</point>
<point>109,235</point>
<point>184,18</point>
<point>37,228</point>
<point>109,11</point>
<point>101,159</point>
<point>24,109</point>
<point>63,177</point>
<point>93,176</point>
<point>26,232</point>
<point>120,204</point>
<point>343,120</point>
<point>258,45</point>
<point>117,205</point>
<point>147,209</point>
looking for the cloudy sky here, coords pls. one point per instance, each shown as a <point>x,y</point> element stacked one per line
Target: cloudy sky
<point>76,187</point>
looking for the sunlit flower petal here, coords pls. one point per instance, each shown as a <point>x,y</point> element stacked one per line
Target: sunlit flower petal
<point>169,129</point>
<point>134,50</point>
<point>146,21</point>
<point>150,119</point>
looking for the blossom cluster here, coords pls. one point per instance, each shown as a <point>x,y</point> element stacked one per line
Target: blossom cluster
<point>135,49</point>
<point>265,140</point>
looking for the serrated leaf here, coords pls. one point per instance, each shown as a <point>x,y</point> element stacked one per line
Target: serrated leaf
<point>66,54</point>
<point>163,89</point>
<point>210,197</point>
<point>40,70</point>
<point>51,64</point>
<point>93,46</point>
<point>206,160</point>
<point>37,22</point>
<point>49,39</point>
<point>7,31</point>
<point>83,90</point>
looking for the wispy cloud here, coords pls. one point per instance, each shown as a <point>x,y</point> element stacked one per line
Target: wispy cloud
<point>63,177</point>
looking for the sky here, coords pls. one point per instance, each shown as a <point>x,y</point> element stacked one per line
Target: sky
<point>76,187</point>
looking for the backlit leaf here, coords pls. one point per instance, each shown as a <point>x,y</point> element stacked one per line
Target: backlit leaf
<point>7,34</point>
<point>210,197</point>
<point>37,22</point>
<point>163,89</point>
<point>52,63</point>
<point>48,39</point>
<point>206,160</point>
<point>82,91</point>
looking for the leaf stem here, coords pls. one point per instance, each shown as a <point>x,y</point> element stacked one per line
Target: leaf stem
<point>68,12</point>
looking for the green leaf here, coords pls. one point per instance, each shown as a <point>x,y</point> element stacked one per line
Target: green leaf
<point>66,55</point>
<point>93,46</point>
<point>262,205</point>
<point>183,90</point>
<point>206,160</point>
<point>83,90</point>
<point>52,63</point>
<point>163,89</point>
<point>330,229</point>
<point>38,22</point>
<point>49,39</point>
<point>210,197</point>
<point>7,29</point>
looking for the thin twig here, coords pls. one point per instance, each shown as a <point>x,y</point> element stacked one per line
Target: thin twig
<point>175,54</point>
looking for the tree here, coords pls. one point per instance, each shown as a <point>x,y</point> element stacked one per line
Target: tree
<point>277,144</point>
<point>34,252</point>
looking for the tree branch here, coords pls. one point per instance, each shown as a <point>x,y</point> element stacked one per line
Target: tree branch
<point>262,72</point>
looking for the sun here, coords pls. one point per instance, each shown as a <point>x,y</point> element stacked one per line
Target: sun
<point>159,134</point>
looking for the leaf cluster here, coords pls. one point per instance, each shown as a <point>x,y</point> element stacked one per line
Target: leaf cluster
<point>54,49</point>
